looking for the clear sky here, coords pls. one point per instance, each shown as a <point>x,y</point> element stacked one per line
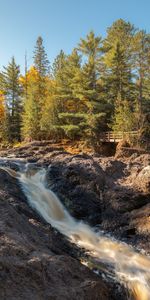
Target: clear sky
<point>61,23</point>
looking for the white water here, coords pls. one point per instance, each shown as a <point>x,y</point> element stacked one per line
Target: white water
<point>130,267</point>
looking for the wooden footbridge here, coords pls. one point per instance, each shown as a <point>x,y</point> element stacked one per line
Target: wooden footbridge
<point>115,137</point>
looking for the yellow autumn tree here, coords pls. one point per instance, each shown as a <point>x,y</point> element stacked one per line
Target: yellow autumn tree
<point>30,122</point>
<point>49,111</point>
<point>35,103</point>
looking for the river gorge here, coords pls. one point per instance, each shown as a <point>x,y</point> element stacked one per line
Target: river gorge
<point>61,211</point>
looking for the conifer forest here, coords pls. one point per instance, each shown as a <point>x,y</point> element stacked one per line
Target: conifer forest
<point>102,85</point>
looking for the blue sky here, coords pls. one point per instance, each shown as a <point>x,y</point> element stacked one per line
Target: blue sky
<point>61,23</point>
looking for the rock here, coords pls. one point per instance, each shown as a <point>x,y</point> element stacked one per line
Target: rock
<point>121,150</point>
<point>124,150</point>
<point>78,181</point>
<point>142,180</point>
<point>111,194</point>
<point>140,219</point>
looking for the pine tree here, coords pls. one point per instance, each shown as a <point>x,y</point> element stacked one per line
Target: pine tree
<point>42,67</point>
<point>141,48</point>
<point>59,64</point>
<point>99,83</point>
<point>91,49</point>
<point>123,119</point>
<point>119,76</point>
<point>11,89</point>
<point>34,101</point>
<point>122,32</point>
<point>89,89</point>
<point>66,80</point>
<point>41,61</point>
<point>118,61</point>
<point>67,70</point>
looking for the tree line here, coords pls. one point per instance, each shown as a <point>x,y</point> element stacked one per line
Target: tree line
<point>104,84</point>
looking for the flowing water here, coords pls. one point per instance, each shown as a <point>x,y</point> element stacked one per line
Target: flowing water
<point>130,267</point>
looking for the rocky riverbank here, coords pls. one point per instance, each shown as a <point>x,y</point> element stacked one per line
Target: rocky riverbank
<point>111,194</point>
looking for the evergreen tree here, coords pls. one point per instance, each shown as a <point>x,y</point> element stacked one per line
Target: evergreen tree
<point>11,88</point>
<point>41,62</point>
<point>118,61</point>
<point>89,88</point>
<point>67,70</point>
<point>42,67</point>
<point>99,83</point>
<point>66,81</point>
<point>59,64</point>
<point>120,31</point>
<point>34,102</point>
<point>119,76</point>
<point>123,119</point>
<point>141,48</point>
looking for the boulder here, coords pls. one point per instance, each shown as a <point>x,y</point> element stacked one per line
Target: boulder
<point>142,181</point>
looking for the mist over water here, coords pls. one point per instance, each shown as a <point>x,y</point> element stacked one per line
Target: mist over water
<point>129,267</point>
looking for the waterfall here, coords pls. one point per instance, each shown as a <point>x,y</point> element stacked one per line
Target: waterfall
<point>130,267</point>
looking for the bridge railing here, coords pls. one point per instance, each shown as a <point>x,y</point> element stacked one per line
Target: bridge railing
<point>111,136</point>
